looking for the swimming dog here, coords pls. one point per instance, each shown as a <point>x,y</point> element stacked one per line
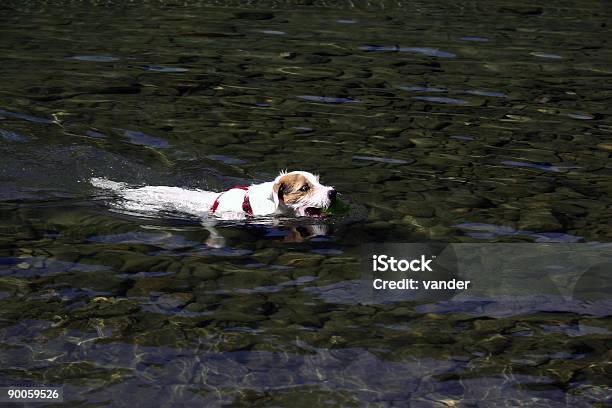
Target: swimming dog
<point>296,193</point>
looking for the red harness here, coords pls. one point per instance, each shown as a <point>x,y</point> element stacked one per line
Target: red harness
<point>246,204</point>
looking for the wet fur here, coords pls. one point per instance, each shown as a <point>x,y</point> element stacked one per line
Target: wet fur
<point>293,193</point>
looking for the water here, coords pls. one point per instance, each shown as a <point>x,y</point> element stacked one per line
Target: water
<point>448,121</point>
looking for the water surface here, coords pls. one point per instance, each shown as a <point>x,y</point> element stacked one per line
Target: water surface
<point>448,121</point>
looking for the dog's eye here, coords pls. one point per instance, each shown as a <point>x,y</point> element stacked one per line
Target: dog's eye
<point>304,188</point>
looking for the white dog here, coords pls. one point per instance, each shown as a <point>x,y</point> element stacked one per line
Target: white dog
<point>296,193</point>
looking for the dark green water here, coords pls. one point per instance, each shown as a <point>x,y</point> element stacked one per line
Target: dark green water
<point>448,121</point>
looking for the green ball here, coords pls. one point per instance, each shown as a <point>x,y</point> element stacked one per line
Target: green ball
<point>338,208</point>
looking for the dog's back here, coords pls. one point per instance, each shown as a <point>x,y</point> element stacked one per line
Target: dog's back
<point>159,198</point>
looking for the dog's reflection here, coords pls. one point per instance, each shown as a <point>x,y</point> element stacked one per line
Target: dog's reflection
<point>305,232</point>
<point>293,233</point>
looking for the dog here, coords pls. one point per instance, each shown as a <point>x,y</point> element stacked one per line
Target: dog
<point>296,193</point>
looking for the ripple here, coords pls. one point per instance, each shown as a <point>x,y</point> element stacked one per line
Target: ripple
<point>517,306</point>
<point>94,134</point>
<point>39,266</point>
<point>94,58</point>
<point>327,99</point>
<point>545,55</point>
<point>29,118</point>
<point>539,166</point>
<point>431,52</point>
<point>304,129</point>
<point>438,99</point>
<point>491,231</point>
<point>574,330</point>
<point>372,48</point>
<point>553,237</point>
<point>273,32</point>
<point>343,292</point>
<point>300,281</point>
<point>545,167</point>
<point>422,89</point>
<point>459,137</point>
<point>346,21</point>
<point>144,275</point>
<point>581,116</point>
<point>206,251</point>
<point>226,159</point>
<point>143,139</point>
<point>165,240</point>
<point>11,136</point>
<point>474,39</point>
<point>168,70</point>
<point>486,93</point>
<point>488,228</point>
<point>481,235</point>
<point>381,159</point>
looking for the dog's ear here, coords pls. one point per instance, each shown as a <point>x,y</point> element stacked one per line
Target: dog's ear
<point>278,191</point>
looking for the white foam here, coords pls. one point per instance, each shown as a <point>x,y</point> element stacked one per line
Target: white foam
<point>107,184</point>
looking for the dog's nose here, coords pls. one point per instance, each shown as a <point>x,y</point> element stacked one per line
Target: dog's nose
<point>332,194</point>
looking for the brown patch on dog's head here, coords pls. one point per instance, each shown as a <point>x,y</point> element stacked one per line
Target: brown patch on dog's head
<point>292,188</point>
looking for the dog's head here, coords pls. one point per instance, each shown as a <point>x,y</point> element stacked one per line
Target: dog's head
<point>301,192</point>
